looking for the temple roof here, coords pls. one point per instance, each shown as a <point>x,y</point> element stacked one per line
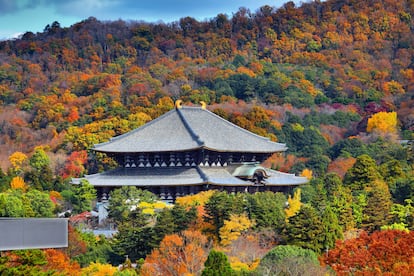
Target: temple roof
<point>189,128</point>
<point>185,176</point>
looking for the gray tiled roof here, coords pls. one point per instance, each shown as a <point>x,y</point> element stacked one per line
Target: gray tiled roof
<point>277,178</point>
<point>181,176</point>
<point>145,177</point>
<point>189,128</point>
<point>221,176</point>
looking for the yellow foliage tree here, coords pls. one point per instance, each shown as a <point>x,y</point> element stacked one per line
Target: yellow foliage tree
<point>198,199</point>
<point>151,208</point>
<point>393,87</point>
<point>307,173</point>
<point>17,159</point>
<point>97,269</point>
<point>18,183</point>
<point>383,123</point>
<point>294,204</point>
<point>233,228</point>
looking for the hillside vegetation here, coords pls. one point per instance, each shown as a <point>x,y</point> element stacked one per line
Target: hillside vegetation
<point>334,80</point>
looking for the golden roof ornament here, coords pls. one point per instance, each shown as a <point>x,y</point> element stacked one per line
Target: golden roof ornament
<point>178,104</point>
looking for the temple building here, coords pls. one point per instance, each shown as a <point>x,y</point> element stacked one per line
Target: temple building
<point>187,150</point>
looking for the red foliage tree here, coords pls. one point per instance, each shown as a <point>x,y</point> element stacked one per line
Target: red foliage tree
<point>74,166</point>
<point>381,253</point>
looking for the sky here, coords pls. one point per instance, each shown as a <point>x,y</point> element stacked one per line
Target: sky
<point>20,16</point>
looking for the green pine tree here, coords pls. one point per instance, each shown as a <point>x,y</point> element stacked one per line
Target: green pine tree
<point>331,227</point>
<point>217,264</point>
<point>305,229</point>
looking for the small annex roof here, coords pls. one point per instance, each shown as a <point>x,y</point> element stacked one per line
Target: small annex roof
<point>189,128</point>
<point>276,178</point>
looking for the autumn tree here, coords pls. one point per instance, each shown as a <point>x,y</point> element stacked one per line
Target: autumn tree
<point>178,254</point>
<point>23,262</point>
<point>99,269</point>
<point>58,262</point>
<point>75,164</point>
<point>233,227</point>
<point>17,182</point>
<point>382,252</point>
<point>383,123</point>
<point>219,208</point>
<point>76,246</point>
<point>17,160</point>
<point>294,204</point>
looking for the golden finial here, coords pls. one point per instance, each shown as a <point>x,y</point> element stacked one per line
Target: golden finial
<point>178,104</point>
<point>203,104</point>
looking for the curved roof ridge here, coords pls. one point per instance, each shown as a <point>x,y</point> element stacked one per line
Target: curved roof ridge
<point>234,125</point>
<point>129,133</point>
<point>188,127</point>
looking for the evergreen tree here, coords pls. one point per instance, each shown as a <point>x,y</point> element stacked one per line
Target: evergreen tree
<point>362,173</point>
<point>41,175</point>
<point>332,183</point>
<point>331,227</point>
<point>217,264</point>
<point>340,200</point>
<point>82,196</point>
<point>341,203</point>
<point>267,209</point>
<point>220,206</point>
<point>125,199</point>
<point>165,225</point>
<point>305,229</point>
<point>134,237</point>
<point>376,212</point>
<point>289,260</point>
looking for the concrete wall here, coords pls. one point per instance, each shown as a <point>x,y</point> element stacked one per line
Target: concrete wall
<point>30,233</point>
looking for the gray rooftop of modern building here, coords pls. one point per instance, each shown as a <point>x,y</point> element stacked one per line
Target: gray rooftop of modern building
<point>189,128</point>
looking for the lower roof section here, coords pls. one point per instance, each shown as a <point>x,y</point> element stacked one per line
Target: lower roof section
<point>275,178</point>
<point>186,176</point>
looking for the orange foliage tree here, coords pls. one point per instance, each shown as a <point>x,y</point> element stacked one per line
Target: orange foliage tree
<point>341,165</point>
<point>198,201</point>
<point>74,165</point>
<point>18,183</point>
<point>178,254</point>
<point>387,252</point>
<point>60,263</point>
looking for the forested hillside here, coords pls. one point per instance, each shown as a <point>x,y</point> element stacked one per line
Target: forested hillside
<point>334,80</point>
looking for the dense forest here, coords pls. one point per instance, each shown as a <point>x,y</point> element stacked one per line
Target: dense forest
<point>334,80</point>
